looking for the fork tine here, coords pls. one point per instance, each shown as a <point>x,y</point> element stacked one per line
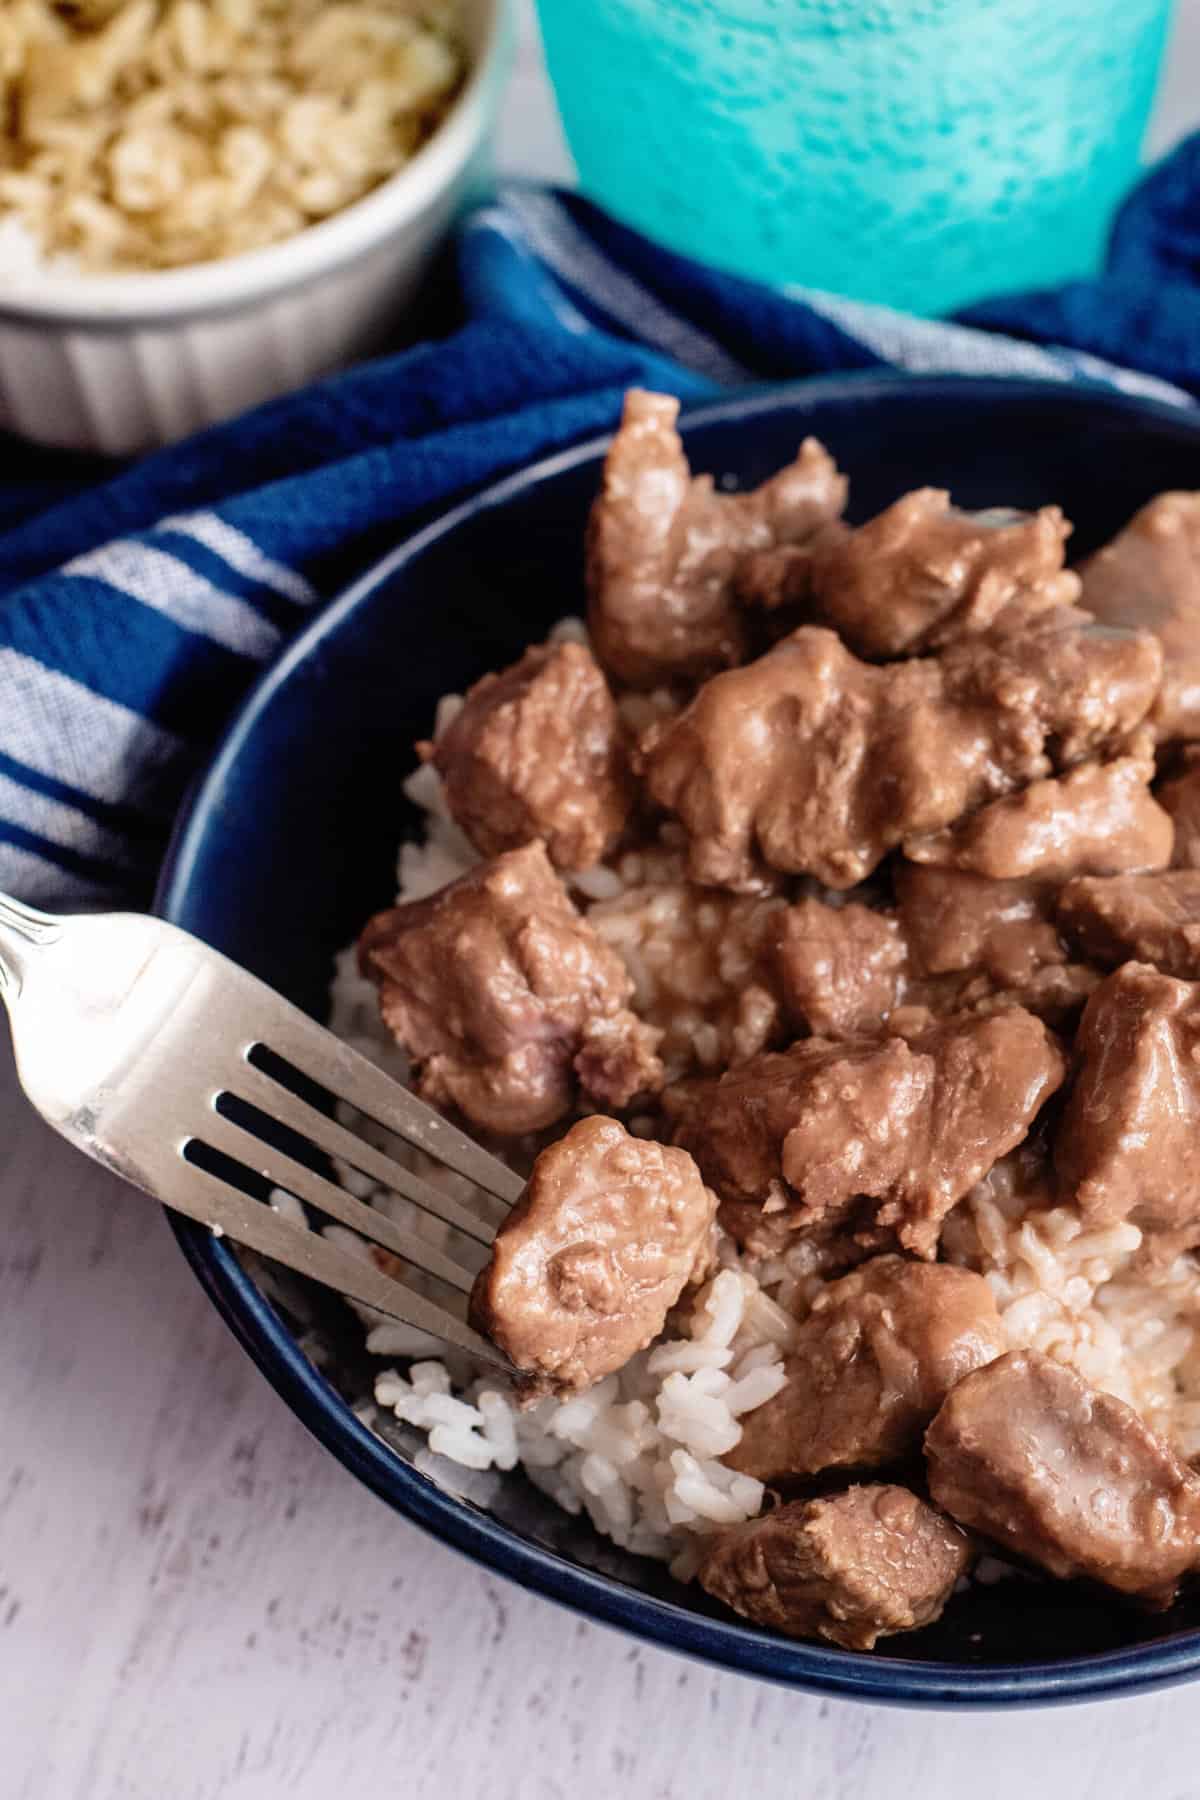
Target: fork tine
<point>285,1172</point>
<point>271,1097</point>
<point>205,1197</point>
<point>352,1077</point>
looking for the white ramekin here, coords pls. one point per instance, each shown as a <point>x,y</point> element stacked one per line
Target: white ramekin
<point>121,363</point>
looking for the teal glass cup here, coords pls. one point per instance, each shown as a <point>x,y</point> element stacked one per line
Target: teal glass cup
<point>922,153</point>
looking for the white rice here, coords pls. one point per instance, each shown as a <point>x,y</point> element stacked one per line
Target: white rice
<point>641,1452</point>
<point>153,134</point>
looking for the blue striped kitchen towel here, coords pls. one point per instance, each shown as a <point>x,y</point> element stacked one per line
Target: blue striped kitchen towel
<point>137,603</point>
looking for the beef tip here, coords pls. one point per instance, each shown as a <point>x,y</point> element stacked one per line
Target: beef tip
<point>584,1270</point>
<point>1100,819</point>
<point>955,921</point>
<point>1181,798</point>
<point>1056,689</point>
<point>1126,1144</point>
<point>492,985</point>
<point>701,963</point>
<point>852,1568</point>
<point>923,573</point>
<point>537,752</point>
<point>840,968</point>
<point>816,1132</point>
<point>664,546</point>
<point>977,945</point>
<point>1150,576</point>
<point>869,1367</point>
<point>1071,1479</point>
<point>813,762</point>
<point>1137,918</point>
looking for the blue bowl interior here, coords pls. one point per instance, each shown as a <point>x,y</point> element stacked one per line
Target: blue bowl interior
<point>290,843</point>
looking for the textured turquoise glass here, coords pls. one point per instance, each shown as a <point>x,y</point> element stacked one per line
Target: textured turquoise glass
<point>924,153</point>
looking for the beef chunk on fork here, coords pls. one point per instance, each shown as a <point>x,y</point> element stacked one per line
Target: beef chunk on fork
<point>1150,576</point>
<point>1025,1453</point>
<point>815,763</point>
<point>840,968</point>
<point>608,1233</point>
<point>884,1137</point>
<point>1126,1146</point>
<point>1180,797</point>
<point>869,1367</point>
<point>1136,918</point>
<point>507,1000</point>
<point>538,752</point>
<point>1099,819</point>
<point>852,1568</point>
<point>920,575</point>
<point>664,546</point>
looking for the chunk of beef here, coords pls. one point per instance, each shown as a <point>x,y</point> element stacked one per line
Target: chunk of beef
<point>955,921</point>
<point>1181,798</point>
<point>584,1270</point>
<point>494,985</point>
<point>852,1568</point>
<point>815,1133</point>
<point>923,573</point>
<point>1126,1145</point>
<point>869,1367</point>
<point>813,762</point>
<point>1137,918</point>
<point>1100,819</point>
<point>701,962</point>
<point>538,752</point>
<point>664,546</point>
<point>1071,1479</point>
<point>840,968</point>
<point>978,946</point>
<point>1150,576</point>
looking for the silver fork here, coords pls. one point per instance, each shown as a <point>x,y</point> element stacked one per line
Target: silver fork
<point>137,1042</point>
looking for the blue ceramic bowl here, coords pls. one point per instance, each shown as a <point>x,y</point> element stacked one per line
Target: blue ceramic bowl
<point>289,843</point>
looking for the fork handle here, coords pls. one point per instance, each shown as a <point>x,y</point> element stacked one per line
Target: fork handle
<point>23,930</point>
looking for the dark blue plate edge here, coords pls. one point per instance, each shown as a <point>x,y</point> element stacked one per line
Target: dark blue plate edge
<point>263,1335</point>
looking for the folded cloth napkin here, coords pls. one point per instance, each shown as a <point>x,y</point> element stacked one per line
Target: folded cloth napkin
<point>137,603</point>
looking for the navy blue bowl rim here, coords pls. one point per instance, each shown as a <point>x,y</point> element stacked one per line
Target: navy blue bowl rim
<point>730,1644</point>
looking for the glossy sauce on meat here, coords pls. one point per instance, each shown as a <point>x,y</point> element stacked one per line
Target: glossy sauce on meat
<point>587,1265</point>
<point>1024,1452</point>
<point>1136,918</point>
<point>538,752</point>
<point>1100,819</point>
<point>841,969</point>
<point>498,987</point>
<point>812,762</point>
<point>923,573</point>
<point>1126,1147</point>
<point>815,1133</point>
<point>852,1568</point>
<point>664,546</point>
<point>1149,577</point>
<point>869,1367</point>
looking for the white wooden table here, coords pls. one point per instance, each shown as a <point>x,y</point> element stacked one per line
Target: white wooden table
<point>196,1602</point>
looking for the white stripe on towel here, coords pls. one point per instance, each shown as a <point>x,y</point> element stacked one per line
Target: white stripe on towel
<point>166,584</point>
<point>39,882</point>
<point>561,245</point>
<point>61,824</point>
<point>62,729</point>
<point>934,347</point>
<point>241,553</point>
